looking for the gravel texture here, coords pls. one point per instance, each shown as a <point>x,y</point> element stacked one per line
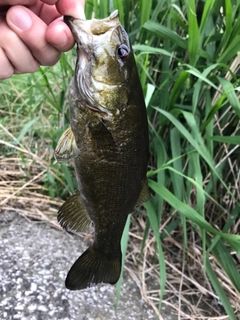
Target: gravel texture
<point>34,260</point>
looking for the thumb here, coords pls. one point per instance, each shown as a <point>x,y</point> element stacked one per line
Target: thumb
<point>32,31</point>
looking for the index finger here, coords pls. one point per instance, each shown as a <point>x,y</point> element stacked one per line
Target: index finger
<point>74,8</point>
<point>65,3</point>
<point>15,2</point>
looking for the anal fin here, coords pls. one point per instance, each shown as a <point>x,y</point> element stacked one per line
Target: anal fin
<point>73,216</point>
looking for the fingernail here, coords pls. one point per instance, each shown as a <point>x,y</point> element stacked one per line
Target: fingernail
<point>62,41</point>
<point>61,38</point>
<point>21,19</point>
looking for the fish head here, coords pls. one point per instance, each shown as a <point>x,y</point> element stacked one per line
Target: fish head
<point>105,63</point>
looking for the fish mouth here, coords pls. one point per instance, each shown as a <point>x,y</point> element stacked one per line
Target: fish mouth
<point>83,32</point>
<point>93,26</point>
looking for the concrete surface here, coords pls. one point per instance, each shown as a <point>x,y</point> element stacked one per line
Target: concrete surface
<point>34,260</point>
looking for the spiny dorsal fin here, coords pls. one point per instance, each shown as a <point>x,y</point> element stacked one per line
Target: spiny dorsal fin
<point>73,216</point>
<point>66,148</point>
<point>144,195</point>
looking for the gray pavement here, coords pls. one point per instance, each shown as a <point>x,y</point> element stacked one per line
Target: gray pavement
<point>34,260</point>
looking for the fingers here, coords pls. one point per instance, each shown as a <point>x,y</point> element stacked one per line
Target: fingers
<point>34,35</point>
<point>59,35</point>
<point>45,12</point>
<point>32,30</point>
<point>6,67</point>
<point>15,57</point>
<point>71,8</point>
<point>15,2</point>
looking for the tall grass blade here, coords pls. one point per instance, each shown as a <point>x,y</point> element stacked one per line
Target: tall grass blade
<point>118,4</point>
<point>231,95</point>
<point>220,292</point>
<point>193,31</point>
<point>145,7</point>
<point>193,215</point>
<point>206,12</point>
<point>165,33</point>
<point>124,243</point>
<point>162,266</point>
<point>26,128</point>
<point>227,139</point>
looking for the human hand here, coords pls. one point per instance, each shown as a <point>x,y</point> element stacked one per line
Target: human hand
<point>32,33</point>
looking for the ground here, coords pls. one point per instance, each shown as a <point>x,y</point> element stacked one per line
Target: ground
<point>34,260</point>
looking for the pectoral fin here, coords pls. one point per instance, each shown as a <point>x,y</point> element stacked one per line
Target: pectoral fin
<point>144,195</point>
<point>100,137</point>
<point>66,148</point>
<point>73,216</point>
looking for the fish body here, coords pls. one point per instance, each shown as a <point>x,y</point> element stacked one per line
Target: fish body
<point>108,140</point>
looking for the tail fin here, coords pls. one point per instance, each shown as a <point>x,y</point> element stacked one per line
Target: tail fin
<point>93,267</point>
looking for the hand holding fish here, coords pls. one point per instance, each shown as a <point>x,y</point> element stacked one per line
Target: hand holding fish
<point>32,33</point>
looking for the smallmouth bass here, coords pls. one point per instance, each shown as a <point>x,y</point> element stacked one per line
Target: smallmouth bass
<point>108,140</point>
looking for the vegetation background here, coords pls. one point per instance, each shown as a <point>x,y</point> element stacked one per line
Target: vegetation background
<point>183,250</point>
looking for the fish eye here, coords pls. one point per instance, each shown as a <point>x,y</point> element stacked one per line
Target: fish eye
<point>122,51</point>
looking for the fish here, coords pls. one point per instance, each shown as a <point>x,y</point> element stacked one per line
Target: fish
<point>108,141</point>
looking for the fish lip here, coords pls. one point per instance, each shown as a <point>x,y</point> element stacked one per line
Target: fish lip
<point>80,29</point>
<point>74,25</point>
<point>67,19</point>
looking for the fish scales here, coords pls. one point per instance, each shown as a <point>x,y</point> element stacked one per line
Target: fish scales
<point>108,140</point>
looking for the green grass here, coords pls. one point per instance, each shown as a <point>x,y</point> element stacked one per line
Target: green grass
<point>187,55</point>
<point>33,114</point>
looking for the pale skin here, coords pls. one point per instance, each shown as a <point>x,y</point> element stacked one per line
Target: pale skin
<point>32,33</point>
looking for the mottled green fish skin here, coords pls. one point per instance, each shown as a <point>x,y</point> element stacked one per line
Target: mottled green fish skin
<point>109,123</point>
